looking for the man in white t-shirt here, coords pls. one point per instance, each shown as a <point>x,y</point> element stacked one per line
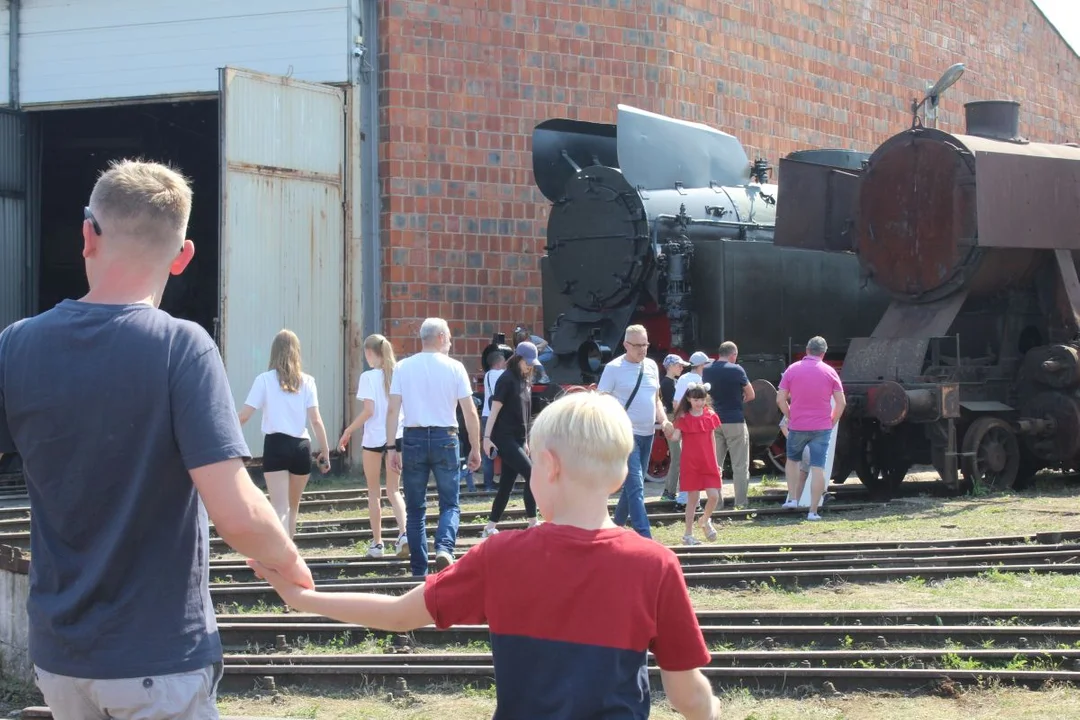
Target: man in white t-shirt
<point>429,387</point>
<point>634,380</point>
<point>497,362</point>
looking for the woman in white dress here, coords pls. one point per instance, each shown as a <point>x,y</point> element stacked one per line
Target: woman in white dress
<point>374,391</point>
<point>289,400</point>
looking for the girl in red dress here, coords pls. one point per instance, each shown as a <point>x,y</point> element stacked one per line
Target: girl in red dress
<point>695,422</point>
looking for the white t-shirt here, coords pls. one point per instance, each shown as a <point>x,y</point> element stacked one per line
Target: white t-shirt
<point>283,412</point>
<point>490,378</point>
<point>684,382</point>
<point>430,385</point>
<point>620,377</point>
<point>371,387</point>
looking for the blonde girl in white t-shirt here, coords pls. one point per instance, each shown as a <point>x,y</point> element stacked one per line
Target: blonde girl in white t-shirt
<point>289,400</point>
<point>374,392</point>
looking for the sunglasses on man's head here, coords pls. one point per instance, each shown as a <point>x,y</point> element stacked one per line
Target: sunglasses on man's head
<point>88,215</point>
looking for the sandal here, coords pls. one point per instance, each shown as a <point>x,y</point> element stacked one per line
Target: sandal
<point>690,540</point>
<point>707,526</point>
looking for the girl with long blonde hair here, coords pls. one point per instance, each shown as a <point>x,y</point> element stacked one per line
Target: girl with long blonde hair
<point>289,401</point>
<point>374,392</point>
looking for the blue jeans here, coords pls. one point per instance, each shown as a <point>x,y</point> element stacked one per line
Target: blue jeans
<point>816,440</point>
<point>487,463</point>
<point>426,451</point>
<point>632,499</point>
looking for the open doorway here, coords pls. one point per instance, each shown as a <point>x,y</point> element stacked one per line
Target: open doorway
<point>78,144</point>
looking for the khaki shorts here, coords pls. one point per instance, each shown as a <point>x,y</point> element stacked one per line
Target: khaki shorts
<point>191,696</point>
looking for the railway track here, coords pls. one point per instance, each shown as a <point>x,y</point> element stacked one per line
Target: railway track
<point>719,566</point>
<point>318,535</point>
<point>852,650</point>
<point>15,518</point>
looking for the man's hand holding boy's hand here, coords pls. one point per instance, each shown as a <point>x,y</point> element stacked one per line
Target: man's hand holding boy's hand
<point>289,591</point>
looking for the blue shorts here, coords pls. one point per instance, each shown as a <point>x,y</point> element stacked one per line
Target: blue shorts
<point>816,440</point>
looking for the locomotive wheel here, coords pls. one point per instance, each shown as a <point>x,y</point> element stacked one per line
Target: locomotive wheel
<point>777,455</point>
<point>882,465</point>
<point>991,457</point>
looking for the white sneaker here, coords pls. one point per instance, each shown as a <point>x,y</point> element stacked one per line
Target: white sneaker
<point>443,560</point>
<point>813,516</point>
<point>375,550</point>
<point>790,505</point>
<point>489,531</point>
<point>402,545</point>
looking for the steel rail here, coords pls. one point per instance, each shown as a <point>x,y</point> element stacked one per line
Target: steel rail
<point>728,658</point>
<point>352,569</point>
<point>283,635</point>
<point>239,678</point>
<point>993,617</point>
<point>241,595</point>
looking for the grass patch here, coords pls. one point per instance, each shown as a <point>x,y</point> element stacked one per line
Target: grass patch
<point>991,590</point>
<point>473,704</point>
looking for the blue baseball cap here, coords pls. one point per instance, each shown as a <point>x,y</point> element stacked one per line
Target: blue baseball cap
<point>528,352</point>
<point>674,359</point>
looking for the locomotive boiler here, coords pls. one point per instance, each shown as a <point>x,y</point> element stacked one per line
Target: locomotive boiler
<point>667,224</point>
<point>974,367</point>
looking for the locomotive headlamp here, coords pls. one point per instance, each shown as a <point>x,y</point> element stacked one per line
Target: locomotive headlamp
<point>933,94</point>
<point>593,355</point>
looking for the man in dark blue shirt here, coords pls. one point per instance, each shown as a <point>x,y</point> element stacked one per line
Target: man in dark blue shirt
<point>129,437</point>
<point>730,389</point>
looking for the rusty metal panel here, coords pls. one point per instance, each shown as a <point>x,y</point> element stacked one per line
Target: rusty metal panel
<point>815,209</point>
<point>14,254</point>
<point>283,232</point>
<point>875,360</point>
<point>927,320</point>
<point>1038,182</point>
<point>1028,194</point>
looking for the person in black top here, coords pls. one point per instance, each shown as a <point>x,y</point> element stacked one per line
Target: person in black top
<point>730,389</point>
<point>673,368</point>
<point>507,431</point>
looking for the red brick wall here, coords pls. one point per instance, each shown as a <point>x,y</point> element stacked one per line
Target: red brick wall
<point>465,81</point>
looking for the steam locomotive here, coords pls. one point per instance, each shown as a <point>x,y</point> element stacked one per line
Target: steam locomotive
<point>974,367</point>
<point>665,223</point>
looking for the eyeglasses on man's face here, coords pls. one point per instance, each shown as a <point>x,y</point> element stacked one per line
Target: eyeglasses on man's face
<point>639,346</point>
<point>88,215</point>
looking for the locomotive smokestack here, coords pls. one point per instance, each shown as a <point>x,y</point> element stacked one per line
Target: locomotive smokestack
<point>994,119</point>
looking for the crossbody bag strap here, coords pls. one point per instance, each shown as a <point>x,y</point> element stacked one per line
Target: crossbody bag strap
<point>641,374</point>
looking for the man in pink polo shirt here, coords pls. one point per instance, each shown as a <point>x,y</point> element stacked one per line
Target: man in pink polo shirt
<point>806,398</point>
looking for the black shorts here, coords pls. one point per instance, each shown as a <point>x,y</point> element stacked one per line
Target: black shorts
<point>285,452</point>
<point>382,448</point>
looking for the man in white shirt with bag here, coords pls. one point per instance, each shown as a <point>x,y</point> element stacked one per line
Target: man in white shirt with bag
<point>634,380</point>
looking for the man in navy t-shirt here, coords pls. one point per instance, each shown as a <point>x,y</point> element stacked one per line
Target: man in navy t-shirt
<point>129,437</point>
<point>730,389</point>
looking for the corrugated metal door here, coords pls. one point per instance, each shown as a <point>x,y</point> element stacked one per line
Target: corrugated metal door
<point>283,232</point>
<point>14,241</point>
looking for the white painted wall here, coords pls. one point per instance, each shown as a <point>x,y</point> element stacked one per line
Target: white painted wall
<point>75,50</point>
<point>15,626</point>
<point>4,4</point>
